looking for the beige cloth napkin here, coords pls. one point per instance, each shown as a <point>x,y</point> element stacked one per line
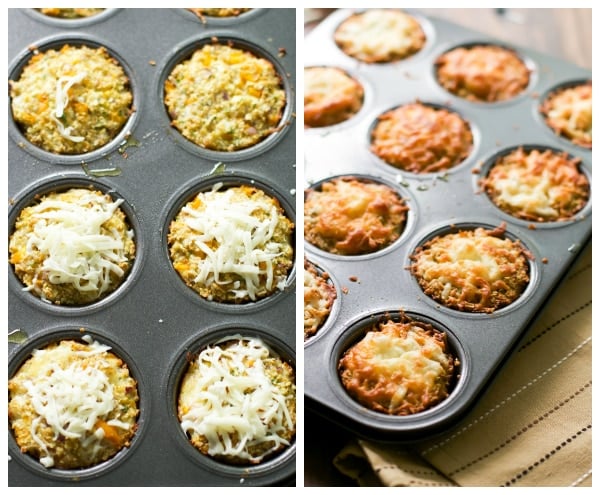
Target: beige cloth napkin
<point>533,426</point>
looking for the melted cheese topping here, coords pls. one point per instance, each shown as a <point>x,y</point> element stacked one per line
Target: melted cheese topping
<point>66,232</point>
<point>537,185</point>
<point>482,73</point>
<point>569,113</point>
<point>379,35</point>
<point>63,84</point>
<point>350,216</point>
<point>472,270</point>
<point>232,401</point>
<point>318,299</point>
<point>235,234</point>
<point>330,96</point>
<point>398,368</point>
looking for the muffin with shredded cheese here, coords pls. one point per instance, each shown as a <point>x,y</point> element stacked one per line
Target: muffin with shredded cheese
<point>352,216</point>
<point>69,13</point>
<point>484,73</point>
<point>331,96</point>
<point>399,367</point>
<point>237,401</point>
<point>73,404</point>
<point>421,138</point>
<point>224,98</point>
<point>472,270</point>
<point>568,112</point>
<point>319,295</point>
<point>232,244</point>
<point>538,185</point>
<point>380,35</point>
<point>72,100</point>
<point>72,247</point>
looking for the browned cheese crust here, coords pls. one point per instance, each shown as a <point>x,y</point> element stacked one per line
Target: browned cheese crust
<point>421,139</point>
<point>399,368</point>
<point>380,35</point>
<point>475,271</point>
<point>568,112</point>
<point>541,186</point>
<point>330,96</point>
<point>319,295</point>
<point>350,216</point>
<point>482,73</point>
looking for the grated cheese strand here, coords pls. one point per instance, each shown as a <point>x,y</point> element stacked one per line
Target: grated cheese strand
<point>235,405</point>
<point>63,84</point>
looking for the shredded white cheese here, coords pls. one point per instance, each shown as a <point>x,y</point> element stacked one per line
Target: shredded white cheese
<point>69,235</point>
<point>63,84</point>
<point>233,403</point>
<point>70,400</point>
<point>235,241</point>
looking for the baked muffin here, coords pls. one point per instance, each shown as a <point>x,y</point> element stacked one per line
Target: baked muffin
<point>484,73</point>
<point>232,245</point>
<point>380,35</point>
<point>476,270</point>
<point>420,138</point>
<point>319,295</point>
<point>568,112</point>
<point>350,216</point>
<point>69,13</point>
<point>331,96</point>
<point>73,405</point>
<point>536,185</point>
<point>72,100</point>
<point>399,367</point>
<point>217,12</point>
<point>224,98</point>
<point>237,402</point>
<point>72,247</point>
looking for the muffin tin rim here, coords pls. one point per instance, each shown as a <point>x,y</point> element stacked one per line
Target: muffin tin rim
<point>20,353</point>
<point>77,39</point>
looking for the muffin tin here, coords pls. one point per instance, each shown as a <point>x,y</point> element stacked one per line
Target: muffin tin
<point>374,286</point>
<point>153,320</point>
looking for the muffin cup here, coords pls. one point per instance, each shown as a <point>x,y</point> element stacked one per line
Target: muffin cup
<point>56,42</point>
<point>81,22</point>
<point>18,355</point>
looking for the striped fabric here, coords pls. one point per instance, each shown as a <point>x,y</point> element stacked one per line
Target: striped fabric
<point>533,427</point>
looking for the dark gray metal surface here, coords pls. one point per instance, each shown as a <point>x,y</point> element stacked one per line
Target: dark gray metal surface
<point>154,319</point>
<point>378,283</point>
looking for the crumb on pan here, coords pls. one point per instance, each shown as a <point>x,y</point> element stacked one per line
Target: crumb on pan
<point>331,96</point>
<point>224,98</point>
<point>475,270</point>
<point>72,100</point>
<point>350,216</point>
<point>399,367</point>
<point>568,112</point>
<point>72,247</point>
<point>419,138</point>
<point>237,401</point>
<point>538,185</point>
<point>319,296</point>
<point>73,404</point>
<point>485,73</point>
<point>380,35</point>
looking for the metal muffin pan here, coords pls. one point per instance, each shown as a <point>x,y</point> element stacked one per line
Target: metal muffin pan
<point>377,284</point>
<point>153,320</point>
